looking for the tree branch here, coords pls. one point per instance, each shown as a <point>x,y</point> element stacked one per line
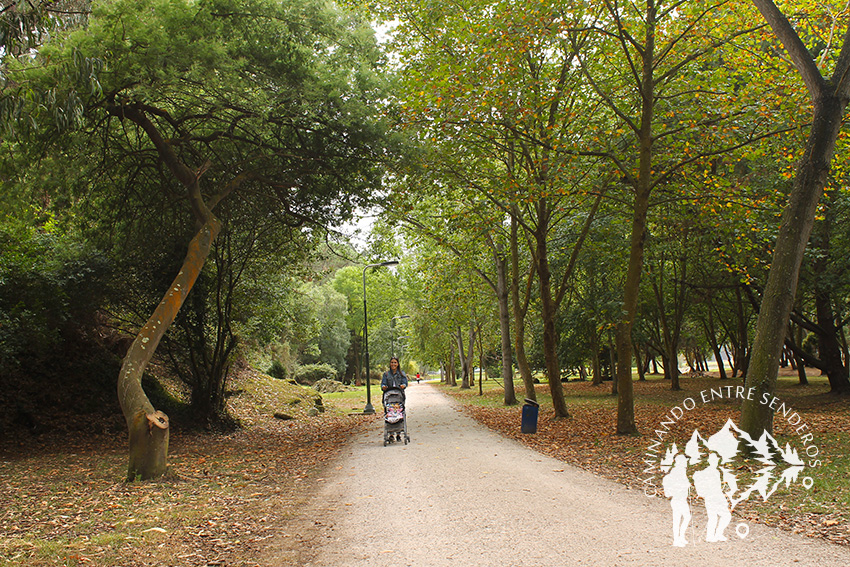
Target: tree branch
<point>801,57</point>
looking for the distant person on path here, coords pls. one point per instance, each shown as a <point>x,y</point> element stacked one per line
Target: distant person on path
<point>709,485</point>
<point>676,487</point>
<point>394,377</point>
<point>418,377</point>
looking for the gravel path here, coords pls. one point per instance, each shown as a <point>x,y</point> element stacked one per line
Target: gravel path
<point>460,494</point>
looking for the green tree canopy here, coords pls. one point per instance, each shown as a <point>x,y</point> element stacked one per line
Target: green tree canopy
<point>173,107</point>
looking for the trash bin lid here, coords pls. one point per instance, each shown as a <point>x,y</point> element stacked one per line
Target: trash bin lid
<point>531,402</point>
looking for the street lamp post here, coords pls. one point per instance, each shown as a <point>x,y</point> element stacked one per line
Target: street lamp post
<point>369,409</point>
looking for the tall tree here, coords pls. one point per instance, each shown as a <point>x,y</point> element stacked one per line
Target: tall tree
<point>503,90</point>
<point>829,97</point>
<point>272,103</point>
<point>463,223</point>
<point>654,66</point>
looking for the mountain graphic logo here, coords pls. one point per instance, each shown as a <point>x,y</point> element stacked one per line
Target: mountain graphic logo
<point>710,469</point>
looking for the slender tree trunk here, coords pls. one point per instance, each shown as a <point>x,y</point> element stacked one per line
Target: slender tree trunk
<point>741,347</point>
<point>520,310</point>
<point>639,363</point>
<point>505,328</point>
<point>480,367</point>
<point>643,187</point>
<point>844,347</point>
<point>711,336</point>
<point>464,360</point>
<point>470,357</point>
<point>828,345</point>
<point>597,366</point>
<point>802,379</point>
<point>615,390</point>
<point>464,376</point>
<point>680,300</point>
<point>670,357</point>
<point>548,312</point>
<point>625,401</point>
<point>830,99</point>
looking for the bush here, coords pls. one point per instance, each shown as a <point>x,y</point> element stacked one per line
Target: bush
<point>50,290</point>
<point>309,374</point>
<point>376,376</point>
<point>277,370</point>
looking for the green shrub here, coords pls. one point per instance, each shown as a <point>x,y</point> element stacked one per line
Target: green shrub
<point>309,374</point>
<point>277,370</point>
<point>50,290</point>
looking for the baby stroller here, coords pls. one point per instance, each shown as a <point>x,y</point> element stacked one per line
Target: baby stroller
<point>395,416</point>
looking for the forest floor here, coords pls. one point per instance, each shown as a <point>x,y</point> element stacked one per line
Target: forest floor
<point>587,439</point>
<point>64,501</point>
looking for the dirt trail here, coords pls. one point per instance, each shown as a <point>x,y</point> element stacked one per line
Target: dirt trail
<point>460,494</point>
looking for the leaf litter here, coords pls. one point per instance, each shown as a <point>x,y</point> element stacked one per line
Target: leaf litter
<point>225,500</point>
<point>229,498</point>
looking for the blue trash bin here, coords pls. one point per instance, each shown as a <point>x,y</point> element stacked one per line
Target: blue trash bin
<point>530,411</point>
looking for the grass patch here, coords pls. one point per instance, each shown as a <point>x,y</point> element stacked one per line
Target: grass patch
<point>354,399</point>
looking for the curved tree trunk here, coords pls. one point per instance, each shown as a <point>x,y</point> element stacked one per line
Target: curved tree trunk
<point>830,99</point>
<point>147,426</point>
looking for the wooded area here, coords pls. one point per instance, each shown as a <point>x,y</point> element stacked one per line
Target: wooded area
<point>574,191</point>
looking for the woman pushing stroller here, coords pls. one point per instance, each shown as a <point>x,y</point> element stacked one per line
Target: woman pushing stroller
<point>393,383</point>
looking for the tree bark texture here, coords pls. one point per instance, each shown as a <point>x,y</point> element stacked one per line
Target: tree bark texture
<point>643,187</point>
<point>625,389</point>
<point>149,434</point>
